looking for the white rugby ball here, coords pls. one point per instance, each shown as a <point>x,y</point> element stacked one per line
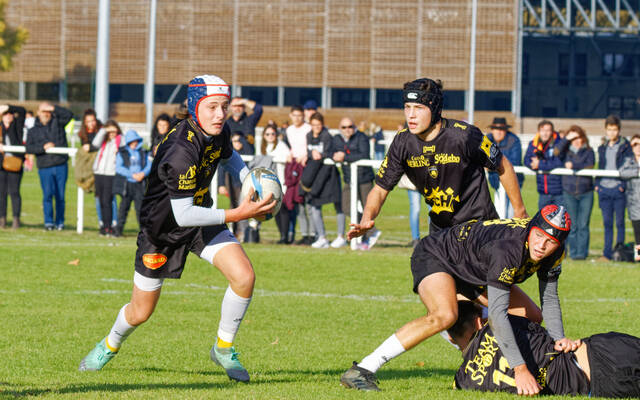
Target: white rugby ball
<point>263,181</point>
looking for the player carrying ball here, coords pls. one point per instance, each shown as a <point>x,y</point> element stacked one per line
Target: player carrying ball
<point>177,218</point>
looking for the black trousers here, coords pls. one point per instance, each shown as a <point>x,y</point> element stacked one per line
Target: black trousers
<point>10,186</point>
<point>104,191</point>
<point>133,192</point>
<point>636,230</point>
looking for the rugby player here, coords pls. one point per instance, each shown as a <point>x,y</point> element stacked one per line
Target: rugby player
<point>177,217</point>
<point>604,365</point>
<point>481,260</point>
<point>445,159</point>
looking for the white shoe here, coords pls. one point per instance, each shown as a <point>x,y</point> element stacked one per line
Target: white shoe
<point>374,238</point>
<point>338,242</point>
<point>321,243</point>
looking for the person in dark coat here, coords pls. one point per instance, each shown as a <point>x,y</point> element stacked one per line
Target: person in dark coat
<point>542,158</point>
<point>511,148</point>
<point>352,145</point>
<point>320,182</point>
<point>48,132</point>
<point>160,128</point>
<point>11,135</point>
<point>244,123</point>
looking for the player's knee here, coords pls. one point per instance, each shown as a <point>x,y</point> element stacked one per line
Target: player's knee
<point>243,281</point>
<point>444,319</point>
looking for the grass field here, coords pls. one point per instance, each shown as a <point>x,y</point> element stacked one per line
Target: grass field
<point>314,311</point>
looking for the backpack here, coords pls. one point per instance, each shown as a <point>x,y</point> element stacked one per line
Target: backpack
<point>623,252</point>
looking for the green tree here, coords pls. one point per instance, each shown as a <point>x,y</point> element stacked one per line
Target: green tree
<point>11,40</point>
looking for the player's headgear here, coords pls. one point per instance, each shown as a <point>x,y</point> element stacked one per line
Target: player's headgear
<point>432,97</point>
<point>554,221</point>
<point>201,87</point>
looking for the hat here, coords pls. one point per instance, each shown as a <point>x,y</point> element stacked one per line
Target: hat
<point>499,123</point>
<point>201,87</point>
<point>310,105</point>
<point>554,221</point>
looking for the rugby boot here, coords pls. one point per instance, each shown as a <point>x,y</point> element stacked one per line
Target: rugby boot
<point>97,358</point>
<point>359,378</point>
<point>227,358</point>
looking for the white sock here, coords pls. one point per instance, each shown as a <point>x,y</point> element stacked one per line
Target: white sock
<point>120,331</point>
<point>232,311</point>
<point>389,349</point>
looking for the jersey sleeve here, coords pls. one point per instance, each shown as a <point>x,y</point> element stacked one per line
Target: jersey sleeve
<point>177,170</point>
<point>503,259</point>
<point>482,150</point>
<point>391,169</point>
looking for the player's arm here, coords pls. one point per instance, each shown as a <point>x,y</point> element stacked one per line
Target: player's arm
<point>509,180</point>
<point>374,203</point>
<point>498,299</point>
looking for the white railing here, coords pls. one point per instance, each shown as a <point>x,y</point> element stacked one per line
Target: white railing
<point>354,181</point>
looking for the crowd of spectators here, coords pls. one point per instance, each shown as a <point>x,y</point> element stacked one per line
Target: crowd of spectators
<point>114,165</point>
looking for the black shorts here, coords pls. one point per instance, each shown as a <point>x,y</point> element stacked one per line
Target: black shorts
<point>167,260</point>
<point>424,264</point>
<point>614,361</point>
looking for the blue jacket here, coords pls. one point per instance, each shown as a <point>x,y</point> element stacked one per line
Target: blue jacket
<point>624,151</point>
<point>131,161</point>
<point>584,158</point>
<point>512,149</point>
<point>549,158</point>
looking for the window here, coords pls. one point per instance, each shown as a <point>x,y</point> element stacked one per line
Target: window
<point>625,107</point>
<point>162,93</point>
<point>265,95</point>
<point>580,69</point>
<point>563,69</point>
<point>80,92</point>
<point>492,101</point>
<point>453,100</point>
<point>298,95</point>
<point>47,91</point>
<point>343,97</point>
<point>618,64</point>
<point>388,98</point>
<point>126,93</point>
<point>525,68</point>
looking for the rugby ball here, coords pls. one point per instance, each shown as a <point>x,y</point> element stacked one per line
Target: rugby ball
<point>263,181</point>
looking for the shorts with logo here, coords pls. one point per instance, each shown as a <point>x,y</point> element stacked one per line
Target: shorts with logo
<point>424,264</point>
<point>167,260</point>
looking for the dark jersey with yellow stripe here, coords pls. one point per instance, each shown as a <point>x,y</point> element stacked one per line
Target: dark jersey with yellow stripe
<point>448,171</point>
<point>184,165</point>
<point>485,367</point>
<point>493,252</point>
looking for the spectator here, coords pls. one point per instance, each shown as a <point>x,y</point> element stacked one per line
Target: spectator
<point>511,148</point>
<point>350,146</point>
<point>48,132</point>
<point>629,171</point>
<point>278,150</point>
<point>578,190</point>
<point>296,139</point>
<point>310,107</point>
<point>231,186</point>
<point>320,183</point>
<point>133,164</point>
<point>377,136</point>
<point>611,155</point>
<point>542,158</point>
<point>415,200</point>
<point>246,124</point>
<point>108,141</point>
<point>160,128</point>
<point>29,120</point>
<point>85,159</point>
<point>11,175</point>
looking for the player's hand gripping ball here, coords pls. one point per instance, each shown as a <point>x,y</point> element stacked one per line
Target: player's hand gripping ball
<point>263,181</point>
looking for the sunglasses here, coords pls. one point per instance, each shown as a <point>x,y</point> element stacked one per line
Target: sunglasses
<point>347,127</point>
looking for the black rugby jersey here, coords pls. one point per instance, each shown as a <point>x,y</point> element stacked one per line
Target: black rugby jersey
<point>493,252</point>
<point>448,171</point>
<point>184,165</point>
<point>485,367</point>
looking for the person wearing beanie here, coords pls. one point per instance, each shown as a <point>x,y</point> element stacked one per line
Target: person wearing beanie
<point>445,160</point>
<point>482,261</point>
<point>178,217</point>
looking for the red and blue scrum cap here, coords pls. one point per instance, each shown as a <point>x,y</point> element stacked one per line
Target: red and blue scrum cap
<point>554,221</point>
<point>204,86</point>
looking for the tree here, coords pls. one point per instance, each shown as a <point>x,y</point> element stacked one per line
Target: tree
<point>11,40</point>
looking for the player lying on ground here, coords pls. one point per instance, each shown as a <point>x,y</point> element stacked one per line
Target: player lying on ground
<point>177,218</point>
<point>604,365</point>
<point>481,260</point>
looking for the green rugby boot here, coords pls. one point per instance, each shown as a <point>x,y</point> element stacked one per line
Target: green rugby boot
<point>227,358</point>
<point>97,358</point>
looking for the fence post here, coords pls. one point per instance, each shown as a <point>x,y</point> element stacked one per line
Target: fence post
<point>353,185</point>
